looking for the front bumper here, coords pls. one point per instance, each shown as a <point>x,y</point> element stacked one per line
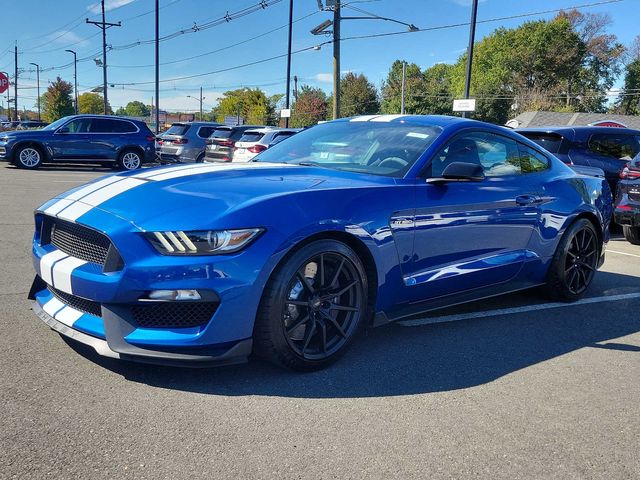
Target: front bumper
<point>231,281</point>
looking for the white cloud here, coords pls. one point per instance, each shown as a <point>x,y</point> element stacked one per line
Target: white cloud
<point>108,5</point>
<point>323,77</point>
<point>67,37</point>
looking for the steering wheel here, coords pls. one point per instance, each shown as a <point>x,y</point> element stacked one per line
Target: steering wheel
<point>401,162</point>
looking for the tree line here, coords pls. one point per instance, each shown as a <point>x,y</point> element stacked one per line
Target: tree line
<point>568,63</point>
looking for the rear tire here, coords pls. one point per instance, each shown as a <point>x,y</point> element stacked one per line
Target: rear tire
<point>130,160</point>
<point>631,234</point>
<point>200,158</point>
<point>574,263</point>
<point>312,307</point>
<point>28,157</point>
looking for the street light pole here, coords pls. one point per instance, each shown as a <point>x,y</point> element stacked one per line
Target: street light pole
<point>158,67</point>
<point>336,60</point>
<point>15,84</point>
<point>472,35</point>
<point>404,64</point>
<point>75,78</point>
<point>38,85</point>
<point>200,99</point>
<point>287,96</point>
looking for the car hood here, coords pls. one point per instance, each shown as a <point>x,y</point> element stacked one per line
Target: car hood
<point>22,133</point>
<point>197,196</point>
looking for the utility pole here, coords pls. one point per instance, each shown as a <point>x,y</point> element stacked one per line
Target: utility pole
<point>286,120</point>
<point>15,83</point>
<point>75,78</point>
<point>103,25</point>
<point>201,98</point>
<point>472,36</point>
<point>295,88</point>
<point>38,82</point>
<point>158,67</point>
<point>336,60</point>
<point>404,64</point>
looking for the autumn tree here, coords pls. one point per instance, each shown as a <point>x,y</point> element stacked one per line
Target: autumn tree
<point>358,96</point>
<point>92,103</point>
<point>309,108</point>
<point>251,104</point>
<point>57,101</point>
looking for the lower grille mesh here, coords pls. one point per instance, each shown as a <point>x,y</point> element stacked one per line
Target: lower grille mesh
<point>173,314</point>
<point>81,304</point>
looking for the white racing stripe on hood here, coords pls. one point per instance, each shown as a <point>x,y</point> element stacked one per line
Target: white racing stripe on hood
<point>217,168</point>
<point>94,199</point>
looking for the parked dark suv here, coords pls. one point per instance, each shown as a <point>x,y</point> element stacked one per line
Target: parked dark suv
<point>111,140</point>
<point>607,148</point>
<point>222,141</point>
<point>627,207</point>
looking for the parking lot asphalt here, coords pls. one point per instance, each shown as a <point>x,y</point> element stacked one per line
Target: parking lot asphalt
<point>528,392</point>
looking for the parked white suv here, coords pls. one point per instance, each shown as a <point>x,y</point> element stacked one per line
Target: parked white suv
<point>257,140</point>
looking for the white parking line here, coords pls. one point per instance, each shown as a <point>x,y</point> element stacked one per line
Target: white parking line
<point>623,253</point>
<point>508,311</point>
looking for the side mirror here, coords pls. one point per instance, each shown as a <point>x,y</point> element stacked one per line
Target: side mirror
<point>460,172</point>
<point>63,130</point>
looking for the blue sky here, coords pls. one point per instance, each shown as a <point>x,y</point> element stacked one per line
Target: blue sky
<point>44,29</point>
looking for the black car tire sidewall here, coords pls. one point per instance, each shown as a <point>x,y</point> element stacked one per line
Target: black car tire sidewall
<point>556,287</point>
<point>269,336</point>
<point>631,234</point>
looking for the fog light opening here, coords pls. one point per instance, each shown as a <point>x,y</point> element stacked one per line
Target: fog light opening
<point>168,295</point>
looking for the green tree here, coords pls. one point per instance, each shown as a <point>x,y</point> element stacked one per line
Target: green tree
<point>358,96</point>
<point>309,108</point>
<point>136,109</point>
<point>57,102</point>
<point>629,101</point>
<point>251,104</point>
<point>92,103</point>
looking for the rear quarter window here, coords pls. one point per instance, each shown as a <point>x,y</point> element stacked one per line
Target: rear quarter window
<point>251,137</point>
<point>221,133</point>
<point>177,129</point>
<point>551,142</point>
<point>532,161</point>
<point>205,132</point>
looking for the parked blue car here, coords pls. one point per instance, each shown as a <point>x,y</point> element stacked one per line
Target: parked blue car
<point>354,222</point>
<point>116,141</point>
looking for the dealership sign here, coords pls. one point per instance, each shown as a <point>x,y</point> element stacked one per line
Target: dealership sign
<point>4,82</point>
<point>464,105</point>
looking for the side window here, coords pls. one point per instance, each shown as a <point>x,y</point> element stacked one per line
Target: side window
<point>205,132</point>
<point>79,125</point>
<point>101,125</point>
<point>532,161</point>
<point>498,156</point>
<point>622,147</point>
<point>122,126</point>
<point>280,137</point>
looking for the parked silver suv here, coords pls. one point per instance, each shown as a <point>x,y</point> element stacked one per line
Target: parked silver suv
<point>185,142</point>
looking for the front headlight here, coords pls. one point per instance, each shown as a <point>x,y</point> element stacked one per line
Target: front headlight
<point>5,139</point>
<point>202,242</point>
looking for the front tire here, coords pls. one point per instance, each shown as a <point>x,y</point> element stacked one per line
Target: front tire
<point>574,263</point>
<point>130,160</point>
<point>28,157</point>
<point>631,234</point>
<point>312,307</point>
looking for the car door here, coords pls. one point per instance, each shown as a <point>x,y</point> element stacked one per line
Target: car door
<point>105,136</point>
<point>471,234</point>
<point>71,141</point>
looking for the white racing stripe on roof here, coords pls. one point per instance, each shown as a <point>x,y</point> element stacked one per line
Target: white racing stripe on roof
<point>387,118</point>
<point>363,118</point>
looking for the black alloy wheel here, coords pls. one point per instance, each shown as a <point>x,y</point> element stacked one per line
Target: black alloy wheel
<point>574,263</point>
<point>312,307</point>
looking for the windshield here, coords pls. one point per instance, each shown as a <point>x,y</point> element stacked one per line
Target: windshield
<point>57,123</point>
<point>378,148</point>
<point>221,133</point>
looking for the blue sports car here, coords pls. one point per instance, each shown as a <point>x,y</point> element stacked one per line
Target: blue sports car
<point>354,222</point>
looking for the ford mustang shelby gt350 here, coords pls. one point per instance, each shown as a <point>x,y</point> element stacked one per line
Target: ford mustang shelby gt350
<point>352,222</point>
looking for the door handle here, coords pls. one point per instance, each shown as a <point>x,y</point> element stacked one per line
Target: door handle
<point>524,200</point>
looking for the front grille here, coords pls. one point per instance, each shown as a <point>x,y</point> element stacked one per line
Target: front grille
<point>82,304</point>
<point>80,242</point>
<point>173,314</point>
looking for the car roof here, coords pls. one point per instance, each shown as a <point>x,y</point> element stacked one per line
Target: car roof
<point>264,130</point>
<point>198,123</point>
<point>564,130</point>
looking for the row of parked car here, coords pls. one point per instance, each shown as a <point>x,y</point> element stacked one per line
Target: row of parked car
<point>213,142</point>
<point>128,144</point>
<point>22,125</point>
